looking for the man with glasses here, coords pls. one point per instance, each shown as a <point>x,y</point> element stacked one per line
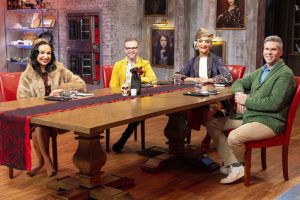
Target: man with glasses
<point>121,74</point>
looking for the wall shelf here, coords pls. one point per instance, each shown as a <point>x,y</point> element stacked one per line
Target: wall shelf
<point>22,27</point>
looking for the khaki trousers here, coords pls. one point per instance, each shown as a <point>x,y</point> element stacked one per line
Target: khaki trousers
<point>244,133</point>
<point>232,149</point>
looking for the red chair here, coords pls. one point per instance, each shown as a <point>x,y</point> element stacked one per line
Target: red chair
<point>8,87</point>
<point>9,91</point>
<point>237,72</point>
<point>106,74</point>
<point>282,139</point>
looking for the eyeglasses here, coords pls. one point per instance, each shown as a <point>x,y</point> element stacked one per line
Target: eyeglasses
<point>206,41</point>
<point>132,48</point>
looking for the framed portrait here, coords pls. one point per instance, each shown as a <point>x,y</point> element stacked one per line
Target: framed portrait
<point>155,7</point>
<point>219,49</point>
<point>162,46</point>
<point>230,14</point>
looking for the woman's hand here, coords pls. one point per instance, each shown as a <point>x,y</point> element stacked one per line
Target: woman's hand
<point>207,80</point>
<point>219,17</point>
<point>56,92</point>
<point>198,80</point>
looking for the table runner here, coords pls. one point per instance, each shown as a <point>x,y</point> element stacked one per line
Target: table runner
<point>15,148</point>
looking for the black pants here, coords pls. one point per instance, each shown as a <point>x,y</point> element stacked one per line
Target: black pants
<point>129,130</point>
<point>123,139</point>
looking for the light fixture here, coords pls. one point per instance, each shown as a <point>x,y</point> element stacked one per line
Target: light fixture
<point>217,39</point>
<point>162,22</point>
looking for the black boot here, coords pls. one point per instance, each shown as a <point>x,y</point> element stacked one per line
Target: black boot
<point>118,146</point>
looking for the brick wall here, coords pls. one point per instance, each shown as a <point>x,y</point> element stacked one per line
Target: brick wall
<point>122,18</point>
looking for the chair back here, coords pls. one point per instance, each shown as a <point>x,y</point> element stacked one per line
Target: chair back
<point>8,85</point>
<point>292,112</point>
<point>106,73</point>
<point>236,71</point>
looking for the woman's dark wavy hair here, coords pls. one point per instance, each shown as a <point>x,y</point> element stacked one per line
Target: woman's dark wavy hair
<point>236,2</point>
<point>34,54</point>
<point>168,47</point>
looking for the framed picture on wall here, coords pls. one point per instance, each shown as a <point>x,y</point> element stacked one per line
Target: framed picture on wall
<point>219,49</point>
<point>230,14</point>
<point>162,46</point>
<point>155,7</point>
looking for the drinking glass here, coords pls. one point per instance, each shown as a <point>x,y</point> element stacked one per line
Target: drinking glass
<point>177,80</point>
<point>198,87</point>
<point>73,93</point>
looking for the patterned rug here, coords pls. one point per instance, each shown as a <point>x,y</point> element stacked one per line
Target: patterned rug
<point>291,194</point>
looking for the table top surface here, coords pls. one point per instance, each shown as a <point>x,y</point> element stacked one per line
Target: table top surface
<point>96,118</point>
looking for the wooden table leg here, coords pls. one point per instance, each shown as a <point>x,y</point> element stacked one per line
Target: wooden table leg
<point>176,131</point>
<point>89,158</point>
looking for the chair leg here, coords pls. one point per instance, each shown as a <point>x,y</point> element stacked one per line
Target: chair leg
<point>188,137</point>
<point>263,157</point>
<point>135,134</point>
<point>54,155</point>
<point>247,167</point>
<point>206,140</point>
<point>11,172</point>
<point>143,134</point>
<point>285,149</point>
<point>54,150</point>
<point>107,137</point>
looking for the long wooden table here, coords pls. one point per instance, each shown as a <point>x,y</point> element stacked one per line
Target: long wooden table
<point>89,122</point>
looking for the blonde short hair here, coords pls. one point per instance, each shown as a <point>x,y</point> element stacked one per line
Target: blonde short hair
<point>202,32</point>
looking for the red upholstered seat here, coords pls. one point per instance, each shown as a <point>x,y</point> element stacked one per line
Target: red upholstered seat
<point>236,71</point>
<point>9,84</point>
<point>106,74</point>
<point>282,139</point>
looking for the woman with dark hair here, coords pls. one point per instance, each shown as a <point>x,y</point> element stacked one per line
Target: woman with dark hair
<point>232,16</point>
<point>163,53</point>
<point>45,76</point>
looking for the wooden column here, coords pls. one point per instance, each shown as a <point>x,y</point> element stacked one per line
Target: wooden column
<point>176,131</point>
<point>89,158</point>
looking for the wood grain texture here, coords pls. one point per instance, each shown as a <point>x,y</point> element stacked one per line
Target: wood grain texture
<point>179,183</point>
<point>93,119</point>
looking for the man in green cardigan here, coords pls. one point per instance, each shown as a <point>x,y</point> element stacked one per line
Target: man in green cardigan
<point>263,98</point>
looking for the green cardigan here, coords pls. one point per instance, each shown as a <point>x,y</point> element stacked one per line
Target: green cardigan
<point>268,103</point>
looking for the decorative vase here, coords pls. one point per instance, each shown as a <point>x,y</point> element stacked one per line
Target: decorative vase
<point>136,82</point>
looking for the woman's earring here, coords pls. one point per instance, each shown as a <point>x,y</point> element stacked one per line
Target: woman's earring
<point>195,45</point>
